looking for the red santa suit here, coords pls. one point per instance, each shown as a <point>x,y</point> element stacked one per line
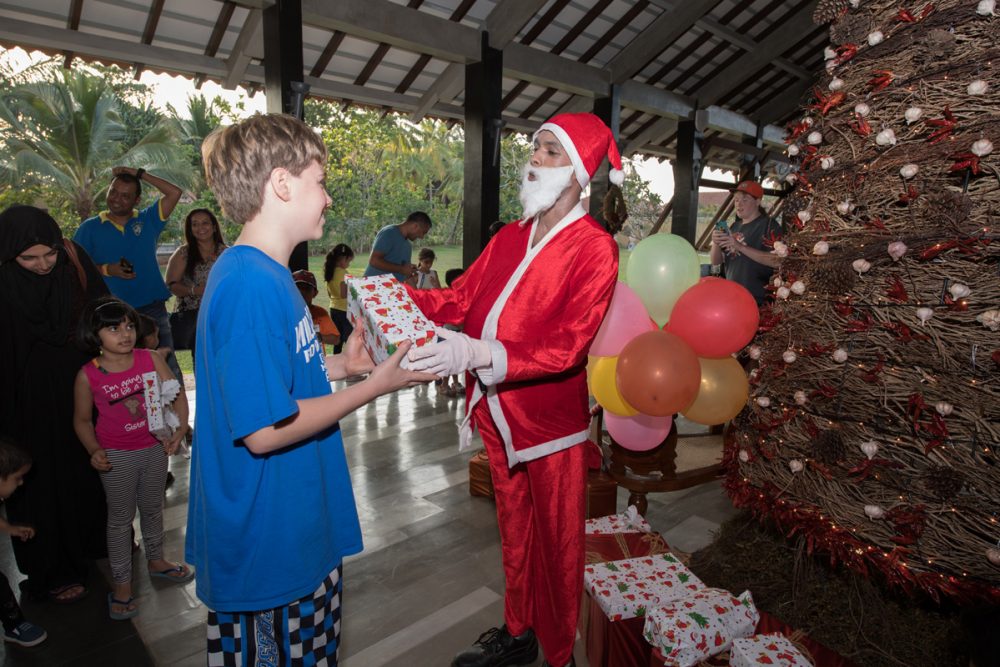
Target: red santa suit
<point>539,309</point>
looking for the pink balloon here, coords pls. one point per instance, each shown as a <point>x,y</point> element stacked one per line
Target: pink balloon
<point>626,318</point>
<point>716,317</point>
<point>639,432</point>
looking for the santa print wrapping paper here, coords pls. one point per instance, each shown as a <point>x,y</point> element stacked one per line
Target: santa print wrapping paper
<point>629,588</point>
<point>697,626</point>
<point>382,306</point>
<point>766,650</point>
<point>155,419</point>
<point>629,521</point>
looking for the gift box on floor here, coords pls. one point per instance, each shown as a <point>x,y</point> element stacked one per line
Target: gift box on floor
<point>383,308</point>
<point>619,595</point>
<point>629,521</point>
<point>480,478</point>
<point>700,625</point>
<point>774,649</point>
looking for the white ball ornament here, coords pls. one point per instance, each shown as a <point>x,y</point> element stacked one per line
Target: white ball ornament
<point>782,293</point>
<point>944,408</point>
<point>987,8</point>
<point>830,65</point>
<point>821,248</point>
<point>886,138</point>
<point>754,351</point>
<point>869,448</point>
<point>908,171</point>
<point>798,287</point>
<point>836,83</point>
<point>815,138</point>
<point>993,555</point>
<point>744,456</point>
<point>840,355</point>
<point>789,356</point>
<point>874,512</point>
<point>896,250</point>
<point>959,291</point>
<point>844,207</point>
<point>861,265</point>
<point>827,162</point>
<point>924,314</point>
<point>829,54</point>
<point>800,397</point>
<point>764,401</point>
<point>875,37</point>
<point>795,465</point>
<point>804,216</point>
<point>990,319</point>
<point>780,249</point>
<point>982,147</point>
<point>978,87</point>
<point>791,178</point>
<point>912,115</point>
<point>793,150</point>
<point>862,109</point>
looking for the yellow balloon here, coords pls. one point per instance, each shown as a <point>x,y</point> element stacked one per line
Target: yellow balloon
<point>601,380</point>
<point>723,392</point>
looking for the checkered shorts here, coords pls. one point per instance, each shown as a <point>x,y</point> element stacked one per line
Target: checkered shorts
<point>305,633</point>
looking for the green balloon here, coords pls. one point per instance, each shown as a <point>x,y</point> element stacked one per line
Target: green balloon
<point>660,269</point>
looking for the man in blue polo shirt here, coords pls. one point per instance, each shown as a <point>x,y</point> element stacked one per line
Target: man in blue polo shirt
<point>392,250</point>
<point>122,242</point>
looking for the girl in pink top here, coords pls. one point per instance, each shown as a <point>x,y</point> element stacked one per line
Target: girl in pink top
<point>131,461</point>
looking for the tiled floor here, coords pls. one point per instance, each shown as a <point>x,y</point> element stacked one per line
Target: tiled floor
<point>428,582</point>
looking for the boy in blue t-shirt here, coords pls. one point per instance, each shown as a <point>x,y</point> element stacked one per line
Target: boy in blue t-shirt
<point>272,512</point>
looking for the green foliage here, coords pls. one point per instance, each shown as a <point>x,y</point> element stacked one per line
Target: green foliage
<point>61,134</point>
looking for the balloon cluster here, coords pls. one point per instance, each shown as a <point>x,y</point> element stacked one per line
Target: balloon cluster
<point>666,345</point>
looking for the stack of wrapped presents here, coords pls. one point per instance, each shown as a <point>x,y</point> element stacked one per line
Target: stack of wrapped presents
<point>645,607</point>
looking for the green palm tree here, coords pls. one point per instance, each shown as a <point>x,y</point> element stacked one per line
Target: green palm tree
<point>63,135</point>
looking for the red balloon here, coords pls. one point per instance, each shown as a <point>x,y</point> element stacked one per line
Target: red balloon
<point>716,317</point>
<point>658,374</point>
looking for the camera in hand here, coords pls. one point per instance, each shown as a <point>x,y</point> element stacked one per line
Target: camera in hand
<point>722,226</point>
<point>126,265</point>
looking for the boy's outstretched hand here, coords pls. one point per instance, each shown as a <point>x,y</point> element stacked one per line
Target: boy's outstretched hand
<point>23,532</point>
<point>389,376</point>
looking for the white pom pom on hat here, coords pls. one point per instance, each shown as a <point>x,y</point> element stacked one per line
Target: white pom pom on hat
<point>587,141</point>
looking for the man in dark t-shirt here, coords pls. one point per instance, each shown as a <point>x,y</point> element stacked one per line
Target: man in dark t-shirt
<point>741,250</point>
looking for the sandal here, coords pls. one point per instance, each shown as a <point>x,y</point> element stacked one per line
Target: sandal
<point>180,574</point>
<point>121,615</point>
<point>62,594</point>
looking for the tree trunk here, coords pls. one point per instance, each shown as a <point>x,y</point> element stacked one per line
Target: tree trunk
<point>453,237</point>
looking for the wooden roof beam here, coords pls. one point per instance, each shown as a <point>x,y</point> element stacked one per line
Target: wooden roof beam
<point>252,34</point>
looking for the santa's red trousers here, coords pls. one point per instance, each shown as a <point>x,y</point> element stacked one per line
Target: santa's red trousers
<point>541,508</point>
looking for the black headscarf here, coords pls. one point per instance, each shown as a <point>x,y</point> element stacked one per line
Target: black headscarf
<point>37,306</point>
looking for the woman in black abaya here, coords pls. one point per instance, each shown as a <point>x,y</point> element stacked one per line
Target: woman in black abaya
<point>43,289</point>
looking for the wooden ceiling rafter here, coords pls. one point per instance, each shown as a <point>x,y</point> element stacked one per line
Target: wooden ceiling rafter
<point>218,32</point>
<point>148,32</point>
<point>72,23</point>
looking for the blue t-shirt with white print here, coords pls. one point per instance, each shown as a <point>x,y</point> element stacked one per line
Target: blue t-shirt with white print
<point>263,530</point>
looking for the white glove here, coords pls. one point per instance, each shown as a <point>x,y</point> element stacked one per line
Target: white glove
<point>454,353</point>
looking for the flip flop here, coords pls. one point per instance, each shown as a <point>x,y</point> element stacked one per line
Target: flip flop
<point>188,574</point>
<point>121,615</point>
<point>58,594</point>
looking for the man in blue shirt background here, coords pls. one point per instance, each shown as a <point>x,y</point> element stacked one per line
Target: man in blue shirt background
<point>392,250</point>
<point>122,242</point>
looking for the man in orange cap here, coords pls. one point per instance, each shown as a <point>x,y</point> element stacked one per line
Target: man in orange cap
<point>740,249</point>
<point>531,305</point>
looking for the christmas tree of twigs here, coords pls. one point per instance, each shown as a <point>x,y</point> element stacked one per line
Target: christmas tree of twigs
<point>873,426</point>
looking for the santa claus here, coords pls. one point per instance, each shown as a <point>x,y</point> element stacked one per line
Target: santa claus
<point>530,305</point>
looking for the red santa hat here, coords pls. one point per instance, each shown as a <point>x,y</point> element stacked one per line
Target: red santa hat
<point>587,140</point>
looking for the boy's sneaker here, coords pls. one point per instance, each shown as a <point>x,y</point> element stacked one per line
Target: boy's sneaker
<point>26,634</point>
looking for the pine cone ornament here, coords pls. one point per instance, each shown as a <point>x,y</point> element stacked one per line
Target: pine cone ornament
<point>943,482</point>
<point>829,447</point>
<point>828,10</point>
<point>832,276</point>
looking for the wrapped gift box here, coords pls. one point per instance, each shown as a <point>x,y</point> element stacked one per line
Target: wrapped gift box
<point>601,548</point>
<point>773,649</point>
<point>161,420</point>
<point>700,625</point>
<point>383,308</point>
<point>629,521</point>
<point>480,477</point>
<point>620,593</point>
<point>628,588</point>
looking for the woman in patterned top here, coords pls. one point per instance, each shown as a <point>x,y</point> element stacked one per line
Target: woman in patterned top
<point>187,273</point>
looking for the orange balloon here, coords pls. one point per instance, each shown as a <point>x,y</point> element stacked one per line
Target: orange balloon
<point>658,374</point>
<point>724,391</point>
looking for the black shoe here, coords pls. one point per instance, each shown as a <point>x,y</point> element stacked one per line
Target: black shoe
<point>497,648</point>
<point>170,479</point>
<point>572,662</point>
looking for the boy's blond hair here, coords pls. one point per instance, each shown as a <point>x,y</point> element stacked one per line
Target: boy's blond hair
<point>239,159</point>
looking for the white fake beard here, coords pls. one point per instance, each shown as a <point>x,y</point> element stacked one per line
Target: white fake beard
<point>540,194</point>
